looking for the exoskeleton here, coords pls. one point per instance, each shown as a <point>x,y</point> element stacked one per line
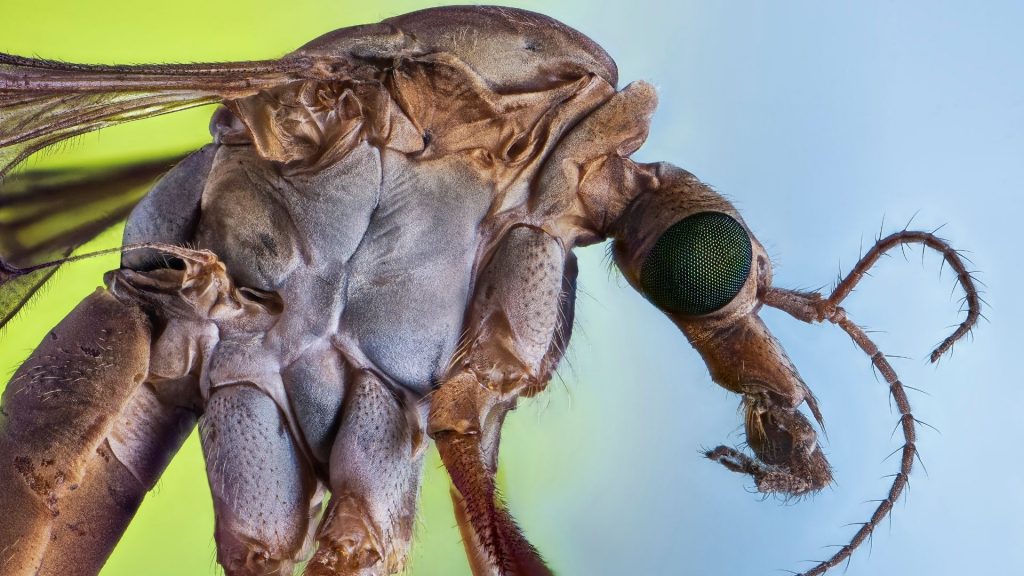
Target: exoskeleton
<point>374,251</point>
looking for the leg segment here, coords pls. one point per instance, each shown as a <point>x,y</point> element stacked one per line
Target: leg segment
<point>82,439</point>
<point>374,479</point>
<point>469,449</point>
<point>489,439</point>
<point>517,329</point>
<point>262,486</point>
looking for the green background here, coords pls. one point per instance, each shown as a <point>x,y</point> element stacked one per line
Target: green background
<point>817,121</point>
<point>172,534</point>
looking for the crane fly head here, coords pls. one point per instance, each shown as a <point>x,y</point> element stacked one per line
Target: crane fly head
<point>688,251</point>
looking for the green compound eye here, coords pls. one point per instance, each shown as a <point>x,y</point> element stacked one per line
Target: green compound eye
<point>698,265</point>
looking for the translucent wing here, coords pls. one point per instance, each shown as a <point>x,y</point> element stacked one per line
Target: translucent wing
<point>46,214</point>
<point>43,102</point>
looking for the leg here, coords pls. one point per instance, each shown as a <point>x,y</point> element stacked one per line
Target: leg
<point>468,420</point>
<point>262,487</point>
<point>81,441</point>
<point>518,326</point>
<point>374,479</point>
<point>490,434</point>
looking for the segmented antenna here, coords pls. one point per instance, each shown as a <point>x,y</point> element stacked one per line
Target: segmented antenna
<point>909,449</point>
<point>812,307</point>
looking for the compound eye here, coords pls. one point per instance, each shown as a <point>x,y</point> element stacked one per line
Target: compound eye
<point>698,265</point>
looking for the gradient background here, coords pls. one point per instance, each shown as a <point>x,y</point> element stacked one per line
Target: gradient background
<point>818,122</point>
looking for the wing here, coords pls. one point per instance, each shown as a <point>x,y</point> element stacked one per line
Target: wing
<point>45,215</point>
<point>43,102</point>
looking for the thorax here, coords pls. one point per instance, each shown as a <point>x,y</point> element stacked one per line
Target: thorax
<point>375,253</point>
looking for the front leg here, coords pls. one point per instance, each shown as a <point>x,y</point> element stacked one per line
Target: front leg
<point>516,330</point>
<point>82,438</point>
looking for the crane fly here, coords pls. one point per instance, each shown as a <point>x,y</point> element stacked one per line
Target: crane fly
<point>374,252</point>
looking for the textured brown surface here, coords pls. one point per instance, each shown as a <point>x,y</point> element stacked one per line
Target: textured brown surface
<point>66,496</point>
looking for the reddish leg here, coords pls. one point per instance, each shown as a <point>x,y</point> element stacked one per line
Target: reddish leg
<point>517,328</point>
